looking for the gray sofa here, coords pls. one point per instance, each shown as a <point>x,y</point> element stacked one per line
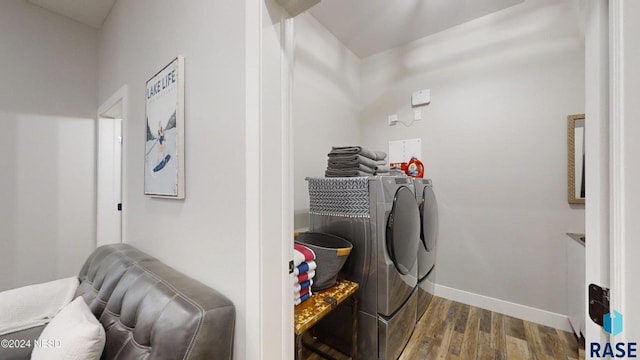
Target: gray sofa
<point>148,310</point>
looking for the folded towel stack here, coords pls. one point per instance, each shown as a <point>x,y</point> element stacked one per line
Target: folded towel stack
<point>348,161</point>
<point>305,266</point>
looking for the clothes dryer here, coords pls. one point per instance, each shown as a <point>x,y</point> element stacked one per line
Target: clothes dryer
<point>380,217</point>
<point>428,207</point>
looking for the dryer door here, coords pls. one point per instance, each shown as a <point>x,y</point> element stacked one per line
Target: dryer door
<point>403,231</point>
<point>429,218</point>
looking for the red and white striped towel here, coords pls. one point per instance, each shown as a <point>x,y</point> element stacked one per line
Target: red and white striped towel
<point>303,285</point>
<point>301,296</point>
<point>304,267</point>
<point>302,254</point>
<point>304,277</point>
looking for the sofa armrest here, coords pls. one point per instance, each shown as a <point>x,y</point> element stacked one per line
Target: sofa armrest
<point>34,305</point>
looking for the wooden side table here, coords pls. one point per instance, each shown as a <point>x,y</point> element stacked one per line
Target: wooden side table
<point>322,303</point>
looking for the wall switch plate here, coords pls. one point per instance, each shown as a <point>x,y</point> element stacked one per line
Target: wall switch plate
<point>421,97</point>
<point>417,114</point>
<point>393,119</point>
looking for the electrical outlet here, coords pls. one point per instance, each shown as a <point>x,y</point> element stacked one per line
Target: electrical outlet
<point>417,114</point>
<point>393,119</point>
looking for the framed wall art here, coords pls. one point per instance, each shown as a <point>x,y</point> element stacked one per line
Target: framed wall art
<point>576,159</point>
<point>164,149</point>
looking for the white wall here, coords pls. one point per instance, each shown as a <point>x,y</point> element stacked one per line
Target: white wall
<point>494,142</point>
<point>203,235</point>
<point>47,106</point>
<point>326,103</point>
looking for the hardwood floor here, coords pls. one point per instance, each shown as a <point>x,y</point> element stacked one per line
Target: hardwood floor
<point>451,330</point>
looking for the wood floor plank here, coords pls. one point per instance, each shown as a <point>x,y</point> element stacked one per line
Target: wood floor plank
<point>417,348</point>
<point>514,327</point>
<point>485,351</point>
<point>569,337</point>
<point>452,314</point>
<point>456,331</point>
<point>419,337</point>
<point>423,351</point>
<point>469,349</point>
<point>547,346</point>
<point>461,319</point>
<point>570,343</point>
<point>437,340</point>
<point>536,349</point>
<point>438,318</point>
<point>420,343</point>
<point>443,346</point>
<point>431,311</point>
<point>498,340</point>
<point>485,321</point>
<point>552,344</point>
<point>501,355</point>
<point>517,349</point>
<point>456,343</point>
<point>445,310</point>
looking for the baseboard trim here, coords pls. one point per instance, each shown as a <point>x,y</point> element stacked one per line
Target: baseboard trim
<point>524,312</point>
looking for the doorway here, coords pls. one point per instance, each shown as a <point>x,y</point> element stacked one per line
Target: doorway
<point>384,84</point>
<point>109,224</point>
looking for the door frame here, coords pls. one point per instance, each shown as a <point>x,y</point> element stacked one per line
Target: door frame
<point>119,99</point>
<point>618,190</point>
<point>269,178</point>
<point>605,218</point>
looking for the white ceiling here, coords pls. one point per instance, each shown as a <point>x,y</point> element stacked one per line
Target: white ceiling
<point>89,12</point>
<point>364,26</point>
<point>368,27</point>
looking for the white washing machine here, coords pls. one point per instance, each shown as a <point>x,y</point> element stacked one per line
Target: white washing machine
<point>380,217</point>
<point>426,199</point>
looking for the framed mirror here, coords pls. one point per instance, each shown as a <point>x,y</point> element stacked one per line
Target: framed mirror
<point>575,152</point>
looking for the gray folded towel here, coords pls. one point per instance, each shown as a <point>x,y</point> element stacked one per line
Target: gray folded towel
<point>380,155</point>
<point>355,150</point>
<point>361,167</point>
<point>350,170</point>
<point>382,169</point>
<point>351,160</point>
<point>345,173</point>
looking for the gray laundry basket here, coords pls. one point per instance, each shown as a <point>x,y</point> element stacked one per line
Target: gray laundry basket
<point>331,253</point>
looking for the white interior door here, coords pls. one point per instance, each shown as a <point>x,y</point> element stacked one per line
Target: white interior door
<point>109,202</point>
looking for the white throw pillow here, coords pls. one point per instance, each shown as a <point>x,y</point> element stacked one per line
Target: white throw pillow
<point>73,334</point>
